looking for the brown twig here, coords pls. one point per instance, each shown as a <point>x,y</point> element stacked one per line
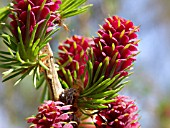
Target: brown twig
<point>54,84</point>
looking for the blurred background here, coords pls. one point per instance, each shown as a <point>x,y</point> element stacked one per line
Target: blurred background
<point>150,83</point>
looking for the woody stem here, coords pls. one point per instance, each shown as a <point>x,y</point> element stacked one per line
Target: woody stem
<point>54,84</point>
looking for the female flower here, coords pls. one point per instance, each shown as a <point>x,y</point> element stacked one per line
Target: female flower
<point>122,113</point>
<point>117,43</point>
<point>32,21</point>
<point>73,58</point>
<point>53,115</point>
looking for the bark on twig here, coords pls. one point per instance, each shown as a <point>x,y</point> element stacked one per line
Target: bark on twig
<point>54,84</point>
